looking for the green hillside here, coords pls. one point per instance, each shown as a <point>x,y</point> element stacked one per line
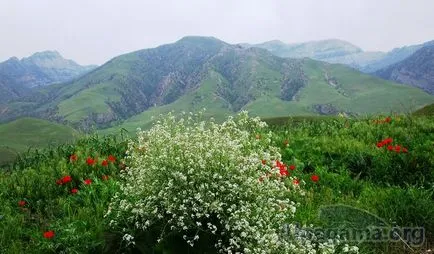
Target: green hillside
<point>20,135</point>
<point>204,72</point>
<point>425,111</point>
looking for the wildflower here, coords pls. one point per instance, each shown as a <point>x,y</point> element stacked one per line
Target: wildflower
<point>390,147</point>
<point>111,158</point>
<point>404,150</point>
<point>380,144</point>
<point>59,182</point>
<point>73,158</point>
<point>49,234</point>
<point>90,161</point>
<point>388,141</point>
<point>66,179</point>
<point>105,177</point>
<point>263,162</point>
<point>22,203</point>
<point>74,191</point>
<point>397,148</point>
<point>87,181</point>
<point>388,119</point>
<point>296,181</point>
<point>104,163</point>
<point>314,178</point>
<point>292,167</point>
<point>283,171</point>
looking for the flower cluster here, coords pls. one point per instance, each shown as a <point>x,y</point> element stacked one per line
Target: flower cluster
<point>196,176</point>
<point>388,144</point>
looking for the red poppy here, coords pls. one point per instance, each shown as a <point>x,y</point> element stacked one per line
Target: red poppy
<point>390,147</point>
<point>87,181</point>
<point>380,144</point>
<point>49,234</point>
<point>388,119</point>
<point>263,162</point>
<point>104,163</point>
<point>388,141</point>
<point>292,167</point>
<point>314,178</point>
<point>105,177</point>
<point>90,161</point>
<point>397,149</point>
<point>296,181</point>
<point>22,203</point>
<point>278,164</point>
<point>404,150</point>
<point>66,179</point>
<point>59,182</point>
<point>111,158</point>
<point>73,158</point>
<point>74,191</point>
<point>283,171</point>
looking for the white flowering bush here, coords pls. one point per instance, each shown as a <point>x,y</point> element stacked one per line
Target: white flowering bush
<point>202,181</point>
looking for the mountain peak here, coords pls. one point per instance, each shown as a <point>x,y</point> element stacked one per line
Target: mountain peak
<point>46,54</point>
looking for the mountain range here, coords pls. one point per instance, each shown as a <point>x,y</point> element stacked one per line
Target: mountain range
<point>204,72</point>
<point>339,51</point>
<point>17,77</point>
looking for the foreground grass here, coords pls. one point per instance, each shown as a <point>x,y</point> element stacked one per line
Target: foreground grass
<point>397,187</point>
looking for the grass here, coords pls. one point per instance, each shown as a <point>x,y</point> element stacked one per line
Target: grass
<point>26,133</point>
<point>397,188</point>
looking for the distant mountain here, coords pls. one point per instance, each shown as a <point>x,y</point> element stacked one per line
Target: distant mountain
<point>342,52</point>
<point>416,70</point>
<point>204,72</point>
<point>331,51</point>
<point>40,69</point>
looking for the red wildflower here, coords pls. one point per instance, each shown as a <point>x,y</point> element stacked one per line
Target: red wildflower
<point>111,158</point>
<point>388,119</point>
<point>390,147</point>
<point>73,158</point>
<point>314,178</point>
<point>49,234</point>
<point>404,150</point>
<point>278,164</point>
<point>22,203</point>
<point>296,181</point>
<point>292,167</point>
<point>263,162</point>
<point>74,191</point>
<point>104,163</point>
<point>105,177</point>
<point>388,141</point>
<point>397,149</point>
<point>283,171</point>
<point>87,181</point>
<point>59,182</point>
<point>66,179</point>
<point>90,161</point>
<point>380,144</point>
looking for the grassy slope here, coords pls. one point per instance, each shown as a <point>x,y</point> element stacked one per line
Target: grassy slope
<point>22,134</point>
<point>361,93</point>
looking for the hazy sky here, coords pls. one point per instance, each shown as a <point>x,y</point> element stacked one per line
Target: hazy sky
<point>93,31</point>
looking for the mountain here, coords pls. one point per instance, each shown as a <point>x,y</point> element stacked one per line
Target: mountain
<point>416,70</point>
<point>342,52</point>
<point>331,51</point>
<point>198,72</point>
<point>40,69</point>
